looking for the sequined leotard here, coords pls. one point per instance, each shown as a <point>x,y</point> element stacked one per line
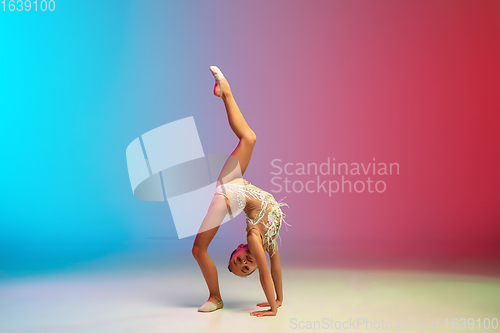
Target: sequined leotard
<point>243,196</point>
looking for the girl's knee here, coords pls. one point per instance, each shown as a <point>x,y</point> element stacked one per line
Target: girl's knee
<point>250,136</point>
<point>198,251</point>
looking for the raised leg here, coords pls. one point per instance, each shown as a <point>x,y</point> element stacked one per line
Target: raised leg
<point>244,149</point>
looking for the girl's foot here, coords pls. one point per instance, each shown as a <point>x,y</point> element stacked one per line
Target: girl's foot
<point>211,305</point>
<point>221,88</point>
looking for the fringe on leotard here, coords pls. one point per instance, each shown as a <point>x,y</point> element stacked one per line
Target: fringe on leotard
<point>283,215</point>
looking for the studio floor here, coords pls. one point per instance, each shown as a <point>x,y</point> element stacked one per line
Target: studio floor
<point>164,298</point>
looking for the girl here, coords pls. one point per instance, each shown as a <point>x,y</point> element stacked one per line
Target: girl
<point>264,216</point>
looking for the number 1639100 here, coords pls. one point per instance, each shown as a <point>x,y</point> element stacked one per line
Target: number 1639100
<point>27,5</point>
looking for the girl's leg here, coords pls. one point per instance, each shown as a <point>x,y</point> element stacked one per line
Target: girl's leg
<point>207,266</point>
<point>216,213</point>
<point>243,151</point>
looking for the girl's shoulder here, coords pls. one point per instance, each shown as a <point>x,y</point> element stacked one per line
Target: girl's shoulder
<point>256,230</point>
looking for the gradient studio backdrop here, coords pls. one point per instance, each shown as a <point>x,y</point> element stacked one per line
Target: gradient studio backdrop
<point>414,83</point>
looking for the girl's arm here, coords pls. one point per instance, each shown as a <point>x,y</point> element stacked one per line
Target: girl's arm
<point>276,275</point>
<point>255,247</point>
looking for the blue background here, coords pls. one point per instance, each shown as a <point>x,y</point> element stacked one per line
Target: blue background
<point>78,85</point>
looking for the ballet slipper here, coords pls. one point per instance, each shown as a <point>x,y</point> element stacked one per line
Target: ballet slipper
<point>216,72</point>
<point>210,306</point>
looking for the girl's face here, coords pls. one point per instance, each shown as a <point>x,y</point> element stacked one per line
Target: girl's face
<point>242,262</point>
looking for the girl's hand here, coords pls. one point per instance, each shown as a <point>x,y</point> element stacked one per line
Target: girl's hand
<point>263,313</point>
<point>278,303</point>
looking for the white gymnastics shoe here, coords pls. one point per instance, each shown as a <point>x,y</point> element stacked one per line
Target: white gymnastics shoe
<point>210,306</point>
<point>218,76</point>
<point>217,73</point>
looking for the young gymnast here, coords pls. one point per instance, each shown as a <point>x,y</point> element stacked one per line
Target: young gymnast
<point>264,217</point>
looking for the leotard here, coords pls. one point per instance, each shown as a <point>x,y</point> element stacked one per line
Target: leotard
<point>241,196</point>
